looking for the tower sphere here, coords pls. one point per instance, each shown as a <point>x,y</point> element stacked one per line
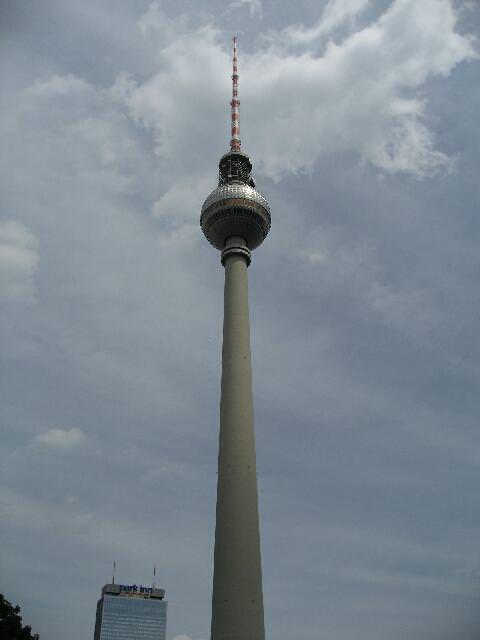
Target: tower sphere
<point>235,207</point>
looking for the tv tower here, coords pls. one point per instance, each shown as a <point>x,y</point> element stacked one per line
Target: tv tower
<point>235,219</point>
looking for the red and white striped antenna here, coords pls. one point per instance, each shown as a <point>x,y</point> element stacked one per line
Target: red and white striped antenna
<point>235,103</point>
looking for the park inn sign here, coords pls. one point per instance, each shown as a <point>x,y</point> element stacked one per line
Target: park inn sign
<point>133,590</point>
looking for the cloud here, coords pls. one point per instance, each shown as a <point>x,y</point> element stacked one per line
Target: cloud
<point>57,86</point>
<point>60,439</point>
<point>254,6</point>
<point>178,204</point>
<point>335,14</point>
<point>62,518</point>
<point>18,261</point>
<point>162,104</point>
<point>155,23</point>
<point>122,216</point>
<point>361,95</point>
<point>404,310</point>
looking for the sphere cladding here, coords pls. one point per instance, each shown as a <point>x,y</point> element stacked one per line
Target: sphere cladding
<point>235,209</point>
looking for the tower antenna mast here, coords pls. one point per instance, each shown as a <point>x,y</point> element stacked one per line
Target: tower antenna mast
<point>235,103</point>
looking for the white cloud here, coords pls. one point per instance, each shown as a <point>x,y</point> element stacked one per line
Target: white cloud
<point>115,223</point>
<point>56,86</point>
<point>339,11</point>
<point>363,95</point>
<point>182,104</point>
<point>155,22</point>
<point>254,6</point>
<point>18,261</point>
<point>335,15</point>
<point>168,468</point>
<point>54,517</point>
<point>60,439</point>
<point>408,311</point>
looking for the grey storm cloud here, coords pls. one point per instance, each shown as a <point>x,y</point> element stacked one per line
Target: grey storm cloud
<point>361,118</point>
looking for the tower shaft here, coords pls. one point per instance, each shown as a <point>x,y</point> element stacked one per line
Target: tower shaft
<point>237,606</point>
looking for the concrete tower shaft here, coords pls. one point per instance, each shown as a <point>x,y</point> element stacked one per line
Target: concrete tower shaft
<point>237,603</point>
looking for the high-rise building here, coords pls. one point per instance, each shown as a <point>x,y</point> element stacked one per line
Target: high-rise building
<point>131,612</point>
<point>235,219</point>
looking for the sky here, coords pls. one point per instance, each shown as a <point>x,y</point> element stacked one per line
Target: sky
<point>361,119</point>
